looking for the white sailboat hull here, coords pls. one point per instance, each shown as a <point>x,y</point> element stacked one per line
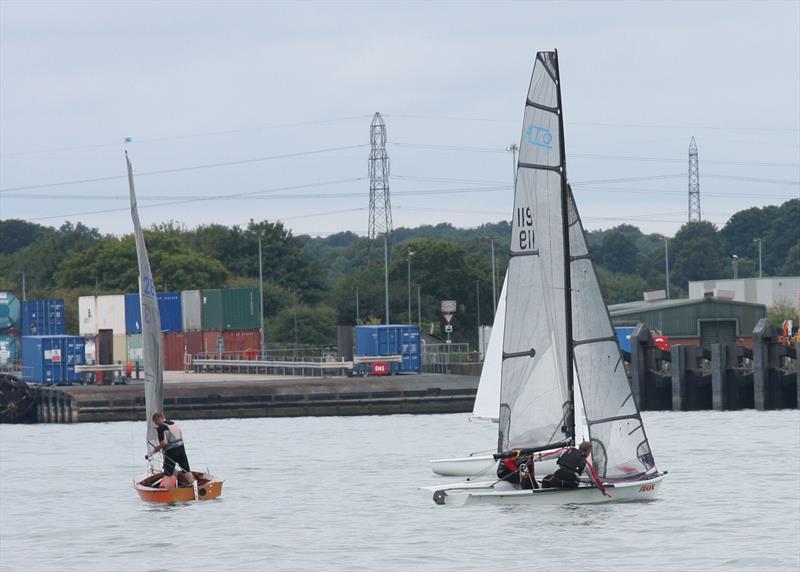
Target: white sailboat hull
<point>490,492</point>
<point>481,466</point>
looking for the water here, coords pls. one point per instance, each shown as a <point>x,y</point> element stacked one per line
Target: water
<point>339,494</point>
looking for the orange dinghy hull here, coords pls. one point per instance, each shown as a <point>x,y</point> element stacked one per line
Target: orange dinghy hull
<point>208,487</point>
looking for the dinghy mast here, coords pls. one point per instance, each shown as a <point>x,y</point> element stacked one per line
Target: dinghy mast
<point>151,322</point>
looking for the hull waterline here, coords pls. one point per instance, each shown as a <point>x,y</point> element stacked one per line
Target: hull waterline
<point>462,494</point>
<point>209,487</point>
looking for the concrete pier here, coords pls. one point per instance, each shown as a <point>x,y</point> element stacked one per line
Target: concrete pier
<point>251,396</point>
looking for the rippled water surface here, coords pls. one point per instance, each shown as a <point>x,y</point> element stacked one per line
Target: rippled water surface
<point>339,494</point>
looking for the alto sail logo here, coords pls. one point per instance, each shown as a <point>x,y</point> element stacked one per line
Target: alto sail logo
<point>540,136</point>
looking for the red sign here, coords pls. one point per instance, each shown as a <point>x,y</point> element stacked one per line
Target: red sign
<point>380,368</point>
<point>646,488</point>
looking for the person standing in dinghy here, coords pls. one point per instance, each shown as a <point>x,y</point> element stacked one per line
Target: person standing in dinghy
<point>170,440</point>
<point>571,464</point>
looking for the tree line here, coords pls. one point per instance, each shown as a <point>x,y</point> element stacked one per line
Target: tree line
<point>311,283</point>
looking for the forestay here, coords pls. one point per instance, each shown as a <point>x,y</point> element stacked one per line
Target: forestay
<point>534,396</point>
<point>151,321</point>
<point>620,449</point>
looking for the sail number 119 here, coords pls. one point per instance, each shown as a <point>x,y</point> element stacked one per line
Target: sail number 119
<point>525,225</point>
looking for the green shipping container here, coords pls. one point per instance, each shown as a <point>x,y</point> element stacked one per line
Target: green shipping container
<point>230,309</point>
<point>240,309</point>
<point>211,309</point>
<point>135,350</point>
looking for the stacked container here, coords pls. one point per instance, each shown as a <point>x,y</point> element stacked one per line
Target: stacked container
<point>51,360</point>
<point>169,310</point>
<point>387,340</point>
<point>192,311</point>
<point>43,317</point>
<point>230,309</point>
<point>9,329</point>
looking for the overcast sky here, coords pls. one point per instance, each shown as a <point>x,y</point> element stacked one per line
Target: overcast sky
<point>195,84</point>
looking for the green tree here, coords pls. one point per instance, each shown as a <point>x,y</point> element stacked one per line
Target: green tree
<point>698,253</point>
<point>619,251</point>
<point>316,325</point>
<point>791,266</point>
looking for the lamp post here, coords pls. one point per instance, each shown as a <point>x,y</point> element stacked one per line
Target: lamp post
<point>514,148</point>
<point>261,295</point>
<point>758,240</point>
<point>386,271</point>
<point>666,262</point>
<point>419,307</point>
<point>494,278</point>
<point>478,306</point>
<point>735,262</point>
<point>410,254</point>
<point>358,313</point>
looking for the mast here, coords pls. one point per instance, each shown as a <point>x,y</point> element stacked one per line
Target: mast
<point>570,359</point>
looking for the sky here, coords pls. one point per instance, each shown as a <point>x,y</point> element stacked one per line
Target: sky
<point>261,110</point>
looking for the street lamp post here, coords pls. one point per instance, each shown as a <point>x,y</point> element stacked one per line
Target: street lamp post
<point>419,307</point>
<point>758,240</point>
<point>735,262</point>
<point>261,294</point>
<point>358,313</point>
<point>494,278</point>
<point>410,254</point>
<point>386,272</point>
<point>666,262</point>
<point>478,306</point>
<point>514,148</point>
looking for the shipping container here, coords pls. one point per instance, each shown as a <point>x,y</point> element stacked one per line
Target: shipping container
<point>194,342</point>
<point>120,348</point>
<point>213,342</point>
<point>87,315</point>
<point>111,313</point>
<point>389,340</point>
<point>172,348</point>
<point>211,309</point>
<point>9,349</point>
<point>135,346</point>
<point>169,311</point>
<point>52,359</point>
<point>43,317</point>
<point>241,340</point>
<point>9,311</point>
<point>191,311</point>
<point>240,309</point>
<point>230,309</point>
<point>624,337</point>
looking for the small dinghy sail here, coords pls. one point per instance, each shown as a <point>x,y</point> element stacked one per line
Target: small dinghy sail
<point>208,487</point>
<point>558,343</point>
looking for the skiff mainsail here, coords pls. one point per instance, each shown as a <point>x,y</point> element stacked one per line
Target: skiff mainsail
<point>558,335</point>
<point>208,486</point>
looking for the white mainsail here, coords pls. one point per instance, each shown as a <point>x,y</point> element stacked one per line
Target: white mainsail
<point>487,400</point>
<point>151,322</point>
<point>534,396</point>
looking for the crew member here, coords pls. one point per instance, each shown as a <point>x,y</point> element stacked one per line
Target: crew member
<point>170,440</point>
<point>571,464</point>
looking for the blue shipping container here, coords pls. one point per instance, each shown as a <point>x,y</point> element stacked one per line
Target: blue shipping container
<point>624,337</point>
<point>51,360</point>
<point>389,340</point>
<point>169,309</point>
<point>43,317</point>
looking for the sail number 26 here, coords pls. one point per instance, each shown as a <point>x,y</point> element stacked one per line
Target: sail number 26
<point>525,225</point>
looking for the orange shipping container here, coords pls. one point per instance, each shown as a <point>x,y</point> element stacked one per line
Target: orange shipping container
<point>241,340</point>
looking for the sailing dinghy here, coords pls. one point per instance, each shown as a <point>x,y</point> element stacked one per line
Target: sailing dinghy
<point>487,409</point>
<point>558,342</point>
<point>206,486</point>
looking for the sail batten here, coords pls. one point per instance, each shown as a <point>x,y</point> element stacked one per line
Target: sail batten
<point>151,321</point>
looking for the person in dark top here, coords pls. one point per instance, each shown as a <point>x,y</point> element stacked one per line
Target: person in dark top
<point>571,464</point>
<point>170,440</point>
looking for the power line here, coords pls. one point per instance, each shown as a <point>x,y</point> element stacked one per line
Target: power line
<point>184,169</point>
<point>596,124</point>
<point>122,142</point>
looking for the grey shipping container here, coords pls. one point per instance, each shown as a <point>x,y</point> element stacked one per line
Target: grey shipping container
<point>192,310</point>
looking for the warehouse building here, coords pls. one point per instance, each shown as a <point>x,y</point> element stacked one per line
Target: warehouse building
<point>767,291</point>
<point>699,322</point>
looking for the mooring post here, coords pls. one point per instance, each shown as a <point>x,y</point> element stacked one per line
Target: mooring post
<point>679,365</point>
<point>762,336</point>
<point>719,377</point>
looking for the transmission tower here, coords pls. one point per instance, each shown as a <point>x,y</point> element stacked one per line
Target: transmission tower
<point>380,206</point>
<point>694,184</point>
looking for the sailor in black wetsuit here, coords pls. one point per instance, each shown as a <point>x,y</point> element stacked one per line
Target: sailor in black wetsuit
<point>571,464</point>
<point>170,439</point>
